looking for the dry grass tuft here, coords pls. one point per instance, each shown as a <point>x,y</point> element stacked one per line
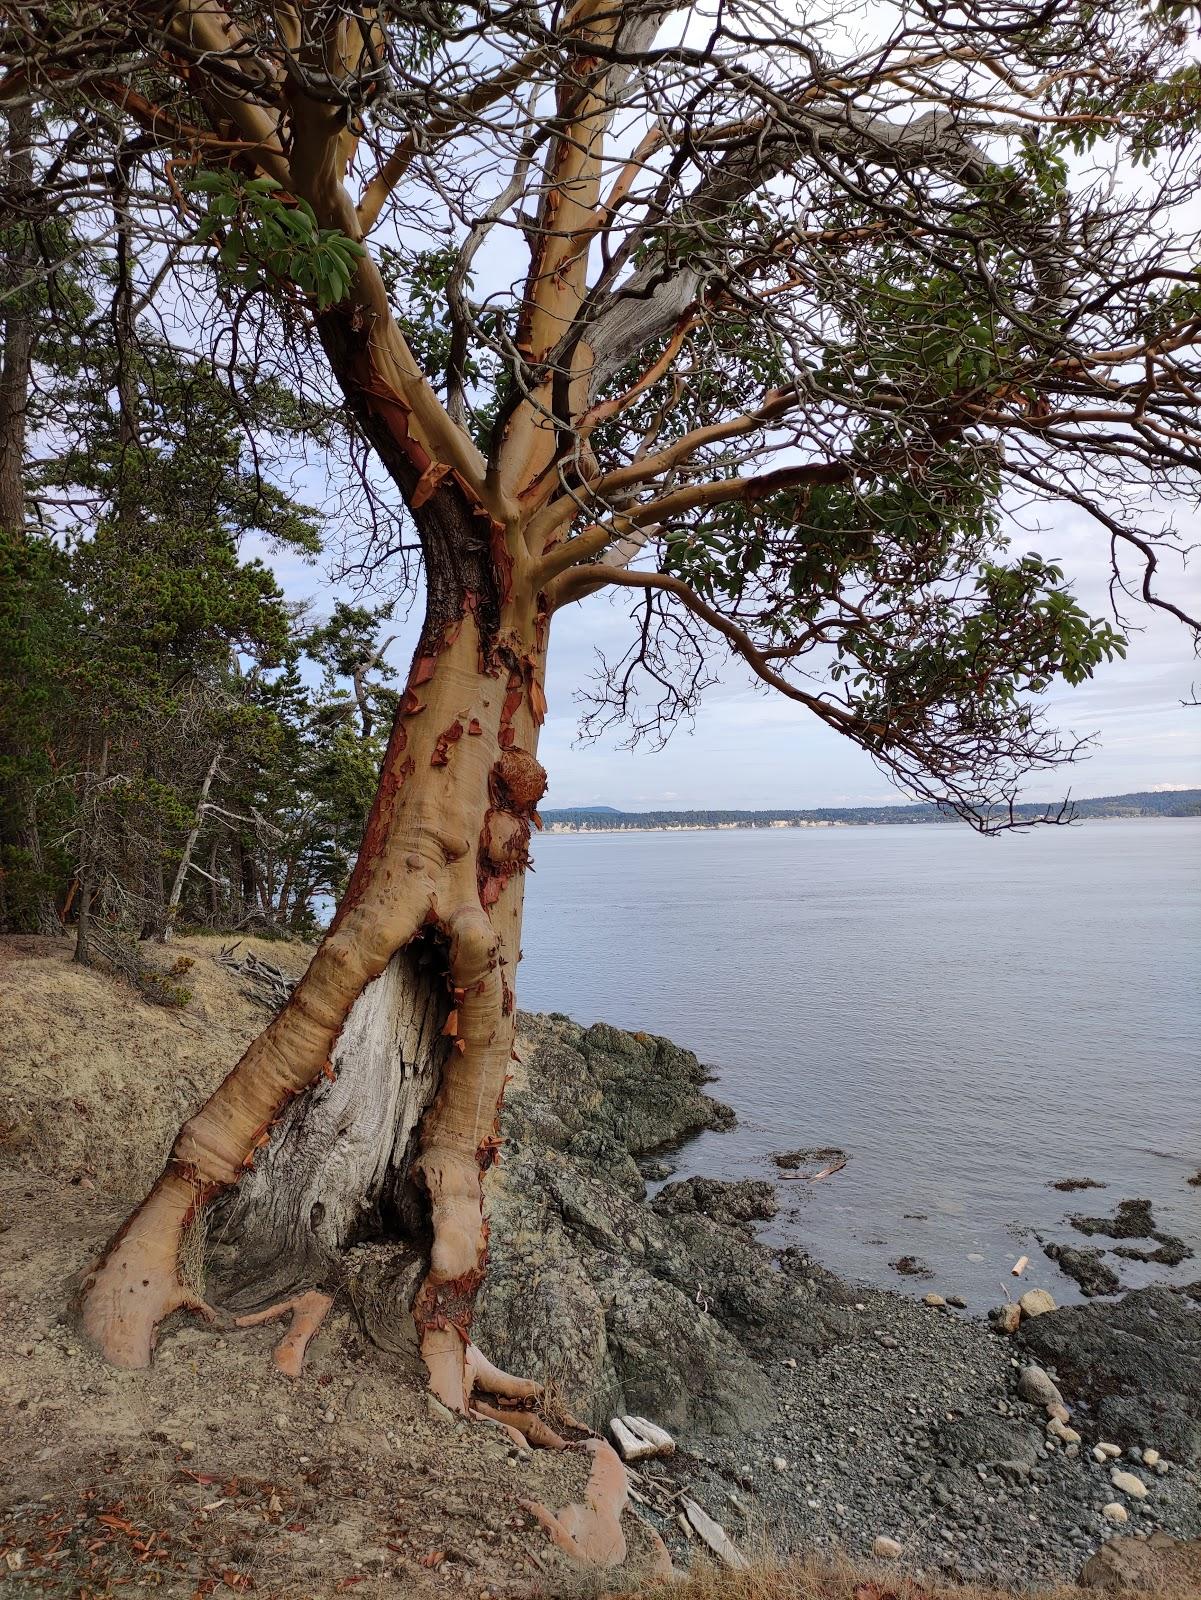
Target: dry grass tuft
<point>193,1248</point>
<point>811,1579</point>
<point>82,1046</point>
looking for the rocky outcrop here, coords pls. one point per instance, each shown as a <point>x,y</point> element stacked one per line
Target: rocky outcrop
<point>1087,1267</point>
<point>656,1309</point>
<point>1132,1220</point>
<point>1136,1363</point>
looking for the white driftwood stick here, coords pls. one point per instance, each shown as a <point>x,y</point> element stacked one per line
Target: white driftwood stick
<point>637,1439</point>
<point>629,1446</point>
<point>654,1433</point>
<point>715,1537</point>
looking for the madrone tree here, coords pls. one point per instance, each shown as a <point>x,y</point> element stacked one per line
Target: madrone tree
<point>773,320</point>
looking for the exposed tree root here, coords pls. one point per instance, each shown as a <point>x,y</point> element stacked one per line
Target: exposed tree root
<point>483,1375</point>
<point>516,1438</point>
<point>308,1311</point>
<point>136,1285</point>
<point>528,1424</point>
<point>591,1533</point>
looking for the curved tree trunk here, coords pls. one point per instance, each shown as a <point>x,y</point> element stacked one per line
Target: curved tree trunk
<point>390,1058</point>
<point>167,925</point>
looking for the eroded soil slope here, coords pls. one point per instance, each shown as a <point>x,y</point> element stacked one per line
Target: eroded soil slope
<point>211,1473</point>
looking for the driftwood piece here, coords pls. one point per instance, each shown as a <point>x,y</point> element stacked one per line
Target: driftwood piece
<point>715,1537</point>
<point>637,1439</point>
<point>265,983</point>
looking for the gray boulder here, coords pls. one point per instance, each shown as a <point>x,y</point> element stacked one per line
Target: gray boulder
<point>1035,1386</point>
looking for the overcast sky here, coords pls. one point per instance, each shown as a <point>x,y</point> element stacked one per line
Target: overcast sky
<point>749,748</point>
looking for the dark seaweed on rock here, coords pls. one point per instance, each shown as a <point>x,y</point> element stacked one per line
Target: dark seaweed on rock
<point>817,1156</point>
<point>1132,1221</point>
<point>1087,1267</point>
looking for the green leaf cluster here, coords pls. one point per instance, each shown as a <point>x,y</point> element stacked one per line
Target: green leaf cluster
<point>264,237</point>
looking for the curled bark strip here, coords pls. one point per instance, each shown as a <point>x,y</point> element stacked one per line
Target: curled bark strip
<point>591,1533</point>
<point>308,1311</point>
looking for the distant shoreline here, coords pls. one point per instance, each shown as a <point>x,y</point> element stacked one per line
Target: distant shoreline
<point>1170,803</point>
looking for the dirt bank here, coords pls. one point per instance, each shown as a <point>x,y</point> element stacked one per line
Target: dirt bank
<point>210,1473</point>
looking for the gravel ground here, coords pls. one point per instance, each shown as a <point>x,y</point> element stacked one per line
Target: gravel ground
<point>914,1430</point>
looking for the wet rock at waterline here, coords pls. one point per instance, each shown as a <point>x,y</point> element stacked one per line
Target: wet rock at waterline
<point>810,1162</point>
<point>1087,1267</point>
<point>1133,1220</point>
<point>1170,1251</point>
<point>1007,1317</point>
<point>1036,1303</point>
<point>912,1267</point>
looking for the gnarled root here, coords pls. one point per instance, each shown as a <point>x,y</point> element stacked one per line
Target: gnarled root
<point>516,1438</point>
<point>136,1284</point>
<point>308,1311</point>
<point>518,1418</point>
<point>591,1533</point>
<point>528,1425</point>
<point>482,1374</point>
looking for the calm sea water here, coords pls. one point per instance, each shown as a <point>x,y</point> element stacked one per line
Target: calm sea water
<point>970,1019</point>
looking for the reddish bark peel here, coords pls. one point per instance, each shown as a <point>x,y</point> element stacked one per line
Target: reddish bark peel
<point>451,735</point>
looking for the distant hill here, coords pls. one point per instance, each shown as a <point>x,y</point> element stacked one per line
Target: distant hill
<point>599,819</point>
<point>588,811</point>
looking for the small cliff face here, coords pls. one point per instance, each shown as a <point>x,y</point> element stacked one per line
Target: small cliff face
<point>659,1309</point>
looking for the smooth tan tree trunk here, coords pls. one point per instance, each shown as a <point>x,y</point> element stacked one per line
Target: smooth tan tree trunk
<point>437,889</point>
